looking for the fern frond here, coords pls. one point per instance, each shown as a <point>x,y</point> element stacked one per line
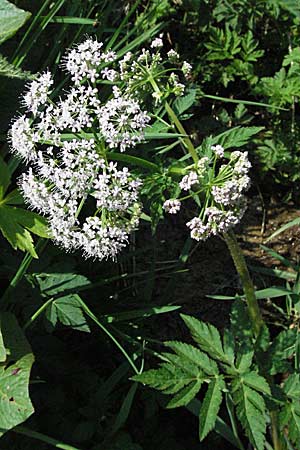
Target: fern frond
<point>10,71</point>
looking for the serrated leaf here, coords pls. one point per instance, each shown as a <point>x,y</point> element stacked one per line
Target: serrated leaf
<point>185,395</point>
<point>292,386</point>
<point>210,407</point>
<point>11,71</point>
<point>69,312</point>
<point>183,103</point>
<point>251,411</point>
<point>207,337</point>
<point>15,404</point>
<point>15,224</point>
<point>289,418</point>
<point>194,355</point>
<point>282,348</point>
<point>164,377</point>
<point>236,137</point>
<point>229,345</point>
<point>17,236</point>
<point>11,19</point>
<point>244,359</point>
<point>52,284</point>
<point>257,382</point>
<point>240,324</point>
<point>186,365</point>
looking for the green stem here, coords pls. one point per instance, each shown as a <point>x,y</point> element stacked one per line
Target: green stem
<point>241,267</point>
<point>37,313</point>
<point>254,313</point>
<point>186,140</point>
<point>20,273</point>
<point>43,438</point>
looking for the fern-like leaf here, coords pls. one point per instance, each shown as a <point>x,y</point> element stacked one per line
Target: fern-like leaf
<point>210,407</point>
<point>207,337</point>
<point>185,395</point>
<point>10,71</point>
<point>194,355</point>
<point>236,137</point>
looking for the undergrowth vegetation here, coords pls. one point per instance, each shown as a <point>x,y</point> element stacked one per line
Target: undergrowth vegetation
<point>135,138</point>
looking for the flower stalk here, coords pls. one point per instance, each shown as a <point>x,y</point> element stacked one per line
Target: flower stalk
<point>241,267</point>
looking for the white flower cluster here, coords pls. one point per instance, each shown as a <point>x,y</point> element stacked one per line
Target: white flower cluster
<point>223,190</point>
<point>122,122</point>
<point>148,73</point>
<point>63,174</point>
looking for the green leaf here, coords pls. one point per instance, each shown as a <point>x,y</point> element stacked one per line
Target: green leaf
<point>15,404</point>
<point>207,337</point>
<point>11,19</point>
<point>257,382</point>
<point>11,71</point>
<point>181,104</point>
<point>289,418</point>
<point>236,137</point>
<point>210,407</point>
<point>164,377</point>
<point>251,411</point>
<point>52,284</point>
<point>195,356</point>
<point>15,224</point>
<point>282,348</point>
<point>68,311</point>
<point>185,395</point>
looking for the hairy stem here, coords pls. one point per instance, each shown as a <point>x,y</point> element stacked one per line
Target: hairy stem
<point>241,267</point>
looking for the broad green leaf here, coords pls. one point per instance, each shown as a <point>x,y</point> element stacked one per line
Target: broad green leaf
<point>17,236</point>
<point>11,19</point>
<point>181,104</point>
<point>210,407</point>
<point>68,311</point>
<point>15,224</point>
<point>185,395</point>
<point>207,337</point>
<point>52,284</point>
<point>4,177</point>
<point>236,137</point>
<point>191,353</point>
<point>251,411</point>
<point>15,404</point>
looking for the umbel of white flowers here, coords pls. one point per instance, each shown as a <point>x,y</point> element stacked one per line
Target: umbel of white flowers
<point>63,173</point>
<point>222,190</point>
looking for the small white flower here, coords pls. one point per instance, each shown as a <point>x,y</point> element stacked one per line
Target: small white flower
<point>172,206</point>
<point>218,150</point>
<point>157,43</point>
<point>188,181</point>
